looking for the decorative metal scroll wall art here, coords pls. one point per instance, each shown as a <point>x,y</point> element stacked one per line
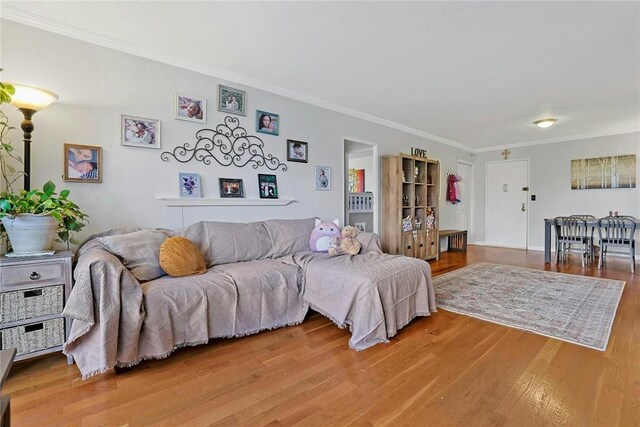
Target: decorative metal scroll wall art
<point>228,145</point>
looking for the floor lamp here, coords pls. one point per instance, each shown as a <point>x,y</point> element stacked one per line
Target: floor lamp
<point>29,100</point>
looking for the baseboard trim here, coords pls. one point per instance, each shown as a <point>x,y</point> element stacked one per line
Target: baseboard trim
<point>503,246</point>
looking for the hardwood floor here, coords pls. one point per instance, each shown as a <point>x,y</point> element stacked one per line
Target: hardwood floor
<point>444,370</point>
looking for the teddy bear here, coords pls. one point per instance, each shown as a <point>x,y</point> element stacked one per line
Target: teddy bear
<point>346,243</point>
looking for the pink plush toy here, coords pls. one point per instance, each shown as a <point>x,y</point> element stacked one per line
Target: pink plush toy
<point>322,234</point>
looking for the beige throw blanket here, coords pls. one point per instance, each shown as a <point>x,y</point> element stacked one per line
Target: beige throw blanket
<point>119,322</point>
<point>374,294</point>
<point>107,312</point>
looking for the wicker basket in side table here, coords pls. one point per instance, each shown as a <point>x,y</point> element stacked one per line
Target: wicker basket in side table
<point>33,291</point>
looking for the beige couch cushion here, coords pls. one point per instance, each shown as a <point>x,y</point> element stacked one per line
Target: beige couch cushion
<point>289,235</point>
<point>139,252</point>
<point>227,242</point>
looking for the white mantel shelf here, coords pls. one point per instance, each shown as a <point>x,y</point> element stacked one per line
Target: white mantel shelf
<point>177,201</point>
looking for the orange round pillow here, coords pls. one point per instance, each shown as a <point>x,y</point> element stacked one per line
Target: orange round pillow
<point>180,257</point>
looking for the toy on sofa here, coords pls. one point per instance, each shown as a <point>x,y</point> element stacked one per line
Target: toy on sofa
<point>322,234</point>
<point>346,243</point>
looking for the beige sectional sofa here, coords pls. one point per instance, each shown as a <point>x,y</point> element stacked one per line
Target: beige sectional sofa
<point>260,276</point>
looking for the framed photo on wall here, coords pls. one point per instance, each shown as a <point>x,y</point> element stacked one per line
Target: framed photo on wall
<point>140,132</point>
<point>268,186</point>
<point>82,163</point>
<point>323,178</point>
<point>297,151</point>
<point>187,107</point>
<point>268,123</point>
<point>232,100</point>
<point>231,187</point>
<point>189,185</point>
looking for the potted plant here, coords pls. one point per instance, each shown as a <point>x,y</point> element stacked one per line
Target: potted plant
<point>32,218</point>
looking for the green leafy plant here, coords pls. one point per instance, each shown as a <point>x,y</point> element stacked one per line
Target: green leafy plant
<point>9,173</point>
<point>46,201</point>
<point>6,92</point>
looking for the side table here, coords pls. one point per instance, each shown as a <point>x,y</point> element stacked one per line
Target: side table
<point>33,292</point>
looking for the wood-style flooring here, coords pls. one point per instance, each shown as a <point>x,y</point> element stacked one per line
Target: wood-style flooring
<point>444,370</point>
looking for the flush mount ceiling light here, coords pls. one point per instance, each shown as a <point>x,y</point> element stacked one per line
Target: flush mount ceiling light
<point>545,123</point>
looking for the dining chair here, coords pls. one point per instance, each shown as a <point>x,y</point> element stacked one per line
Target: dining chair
<point>589,235</point>
<point>617,231</point>
<point>570,231</point>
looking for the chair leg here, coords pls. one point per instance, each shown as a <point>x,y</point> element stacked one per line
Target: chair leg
<point>583,254</point>
<point>601,257</point>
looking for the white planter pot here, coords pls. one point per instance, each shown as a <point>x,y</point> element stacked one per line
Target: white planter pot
<point>31,233</point>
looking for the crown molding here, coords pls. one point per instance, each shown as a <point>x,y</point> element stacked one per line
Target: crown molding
<point>20,16</point>
<point>553,140</point>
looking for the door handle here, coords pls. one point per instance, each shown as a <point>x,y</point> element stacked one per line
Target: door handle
<point>523,208</point>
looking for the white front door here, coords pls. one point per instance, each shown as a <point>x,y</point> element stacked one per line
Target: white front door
<point>507,205</point>
<point>464,207</point>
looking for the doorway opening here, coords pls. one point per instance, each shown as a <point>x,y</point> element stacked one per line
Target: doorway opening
<point>361,200</point>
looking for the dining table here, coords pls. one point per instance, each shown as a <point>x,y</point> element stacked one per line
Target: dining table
<point>548,223</point>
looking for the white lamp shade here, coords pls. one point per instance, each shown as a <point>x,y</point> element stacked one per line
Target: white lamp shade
<point>31,97</point>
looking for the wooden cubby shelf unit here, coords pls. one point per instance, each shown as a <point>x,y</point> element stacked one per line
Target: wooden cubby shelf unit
<point>410,187</point>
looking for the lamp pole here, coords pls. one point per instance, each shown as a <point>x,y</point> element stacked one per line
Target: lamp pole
<point>27,128</point>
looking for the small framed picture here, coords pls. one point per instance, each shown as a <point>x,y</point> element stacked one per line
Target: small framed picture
<point>190,108</point>
<point>189,185</point>
<point>267,123</point>
<point>82,163</point>
<point>297,151</point>
<point>140,132</point>
<point>232,100</point>
<point>323,178</point>
<point>268,186</point>
<point>231,187</point>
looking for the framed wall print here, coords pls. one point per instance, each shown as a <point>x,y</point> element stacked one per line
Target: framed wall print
<point>190,108</point>
<point>268,123</point>
<point>189,185</point>
<point>232,100</point>
<point>297,151</point>
<point>323,178</point>
<point>268,186</point>
<point>82,163</point>
<point>140,132</point>
<point>231,187</point>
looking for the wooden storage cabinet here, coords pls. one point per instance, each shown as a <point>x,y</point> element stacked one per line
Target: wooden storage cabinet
<point>431,243</point>
<point>33,291</point>
<point>410,186</point>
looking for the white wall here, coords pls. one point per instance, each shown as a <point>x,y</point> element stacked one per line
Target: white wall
<point>96,85</point>
<point>550,181</point>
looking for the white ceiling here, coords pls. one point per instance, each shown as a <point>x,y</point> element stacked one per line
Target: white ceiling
<point>470,73</point>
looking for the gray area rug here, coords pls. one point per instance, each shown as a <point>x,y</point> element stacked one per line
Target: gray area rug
<point>577,309</point>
